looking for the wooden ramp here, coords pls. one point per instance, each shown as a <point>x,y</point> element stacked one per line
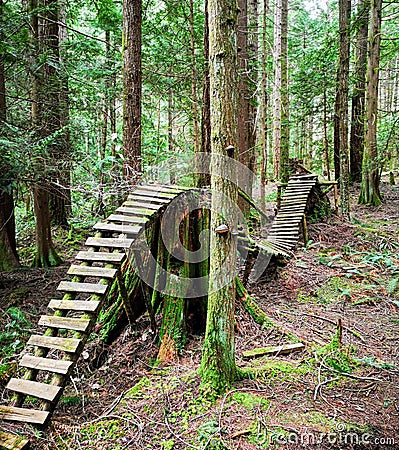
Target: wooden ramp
<point>49,357</point>
<point>284,233</point>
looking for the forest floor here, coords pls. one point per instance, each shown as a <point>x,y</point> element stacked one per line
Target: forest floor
<point>331,395</point>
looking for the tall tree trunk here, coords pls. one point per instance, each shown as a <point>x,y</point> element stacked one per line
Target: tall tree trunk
<point>218,369</point>
<point>8,246</point>
<point>342,100</point>
<point>325,137</point>
<point>171,142</point>
<point>194,78</point>
<point>284,111</point>
<point>243,90</point>
<point>370,191</point>
<point>280,92</point>
<point>277,88</point>
<point>264,103</point>
<point>359,92</point>
<point>204,179</point>
<point>132,89</point>
<point>55,111</point>
<point>46,123</point>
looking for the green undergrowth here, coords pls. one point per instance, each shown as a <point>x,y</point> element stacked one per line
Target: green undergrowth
<point>15,330</point>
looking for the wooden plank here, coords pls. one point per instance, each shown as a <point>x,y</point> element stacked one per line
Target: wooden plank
<point>75,305</point>
<point>164,188</point>
<point>109,242</point>
<point>68,345</point>
<point>10,441</point>
<point>127,219</point>
<point>136,204</point>
<point>87,288</point>
<point>270,248</point>
<point>135,211</point>
<point>117,228</point>
<point>143,191</point>
<point>87,271</point>
<point>104,257</point>
<point>153,199</point>
<point>47,364</point>
<point>43,391</point>
<point>33,416</point>
<point>271,351</point>
<point>65,323</point>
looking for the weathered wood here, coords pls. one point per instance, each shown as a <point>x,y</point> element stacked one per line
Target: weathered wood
<point>270,248</point>
<point>117,228</point>
<point>87,288</point>
<point>10,441</point>
<point>109,242</point>
<point>153,199</point>
<point>47,364</point>
<point>110,258</point>
<point>127,219</point>
<point>33,416</point>
<point>272,351</point>
<point>68,345</point>
<point>164,188</point>
<point>87,271</point>
<point>135,211</point>
<point>91,306</point>
<point>137,204</point>
<point>65,323</point>
<point>43,391</point>
<point>148,193</point>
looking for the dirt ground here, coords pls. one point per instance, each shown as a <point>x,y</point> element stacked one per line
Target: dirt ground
<point>340,392</point>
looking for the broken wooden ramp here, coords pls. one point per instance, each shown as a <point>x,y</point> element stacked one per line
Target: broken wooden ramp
<point>50,356</point>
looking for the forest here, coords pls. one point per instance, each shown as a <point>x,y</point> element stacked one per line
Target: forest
<point>199,224</point>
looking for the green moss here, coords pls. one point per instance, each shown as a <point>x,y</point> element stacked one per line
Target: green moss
<point>103,430</point>
<point>281,370</point>
<point>250,401</point>
<point>137,391</point>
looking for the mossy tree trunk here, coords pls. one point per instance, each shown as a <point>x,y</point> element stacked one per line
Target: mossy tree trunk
<point>359,92</point>
<point>218,369</point>
<point>132,89</point>
<point>370,190</point>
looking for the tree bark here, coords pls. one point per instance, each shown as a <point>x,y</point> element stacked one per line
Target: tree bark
<point>204,179</point>
<point>341,108</point>
<point>280,88</point>
<point>218,369</point>
<point>8,246</point>
<point>132,89</point>
<point>359,93</point>
<point>46,122</point>
<point>370,191</point>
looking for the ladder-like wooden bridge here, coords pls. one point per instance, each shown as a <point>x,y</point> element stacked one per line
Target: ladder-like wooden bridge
<point>49,358</point>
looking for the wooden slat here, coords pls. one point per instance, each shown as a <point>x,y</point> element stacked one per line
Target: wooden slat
<point>164,188</point>
<point>135,211</point>
<point>87,288</point>
<point>86,271</point>
<point>65,323</point>
<point>68,345</point>
<point>110,258</point>
<point>270,351</point>
<point>127,219</point>
<point>148,193</point>
<point>10,441</point>
<point>137,204</point>
<point>109,242</point>
<point>43,391</point>
<point>33,416</point>
<point>117,228</point>
<point>144,198</point>
<point>47,364</point>
<point>75,305</point>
